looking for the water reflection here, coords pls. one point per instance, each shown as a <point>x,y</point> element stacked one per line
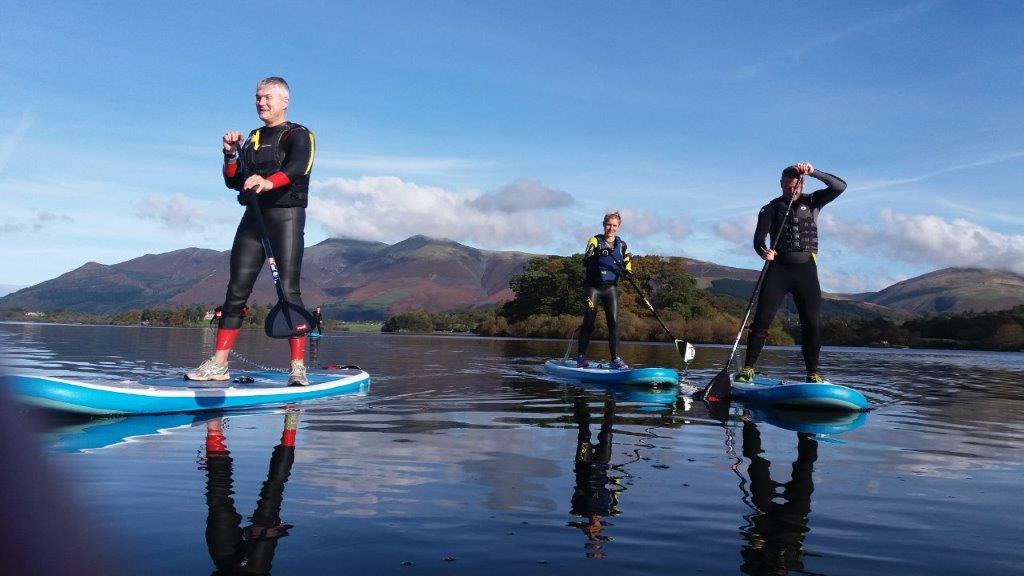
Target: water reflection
<point>778,523</point>
<point>249,550</point>
<point>596,494</point>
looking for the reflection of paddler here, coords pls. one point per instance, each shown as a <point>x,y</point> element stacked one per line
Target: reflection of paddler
<point>235,550</point>
<point>775,532</point>
<point>592,498</point>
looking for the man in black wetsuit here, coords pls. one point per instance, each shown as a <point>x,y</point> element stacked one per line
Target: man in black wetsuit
<point>273,161</point>
<point>794,267</point>
<point>605,259</point>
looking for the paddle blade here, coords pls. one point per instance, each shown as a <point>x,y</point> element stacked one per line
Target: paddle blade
<point>686,350</point>
<point>287,320</point>
<point>718,389</point>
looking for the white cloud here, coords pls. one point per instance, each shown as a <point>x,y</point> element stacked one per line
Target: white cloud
<point>388,209</point>
<point>646,223</point>
<point>738,231</point>
<point>950,243</point>
<point>523,195</point>
<point>176,212</point>
<point>837,279</point>
<point>37,221</point>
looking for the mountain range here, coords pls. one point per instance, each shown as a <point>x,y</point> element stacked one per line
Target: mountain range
<point>354,280</point>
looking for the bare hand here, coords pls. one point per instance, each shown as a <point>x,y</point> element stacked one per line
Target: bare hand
<point>804,167</point>
<point>257,184</point>
<point>232,141</point>
<point>769,255</point>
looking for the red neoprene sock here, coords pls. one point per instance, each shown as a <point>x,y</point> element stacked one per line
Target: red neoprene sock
<point>298,346</point>
<point>226,338</point>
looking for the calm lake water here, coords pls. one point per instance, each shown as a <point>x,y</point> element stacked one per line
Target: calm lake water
<point>464,458</point>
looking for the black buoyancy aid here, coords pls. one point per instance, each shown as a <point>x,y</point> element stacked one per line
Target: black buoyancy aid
<point>605,265</point>
<point>799,234</point>
<point>264,156</point>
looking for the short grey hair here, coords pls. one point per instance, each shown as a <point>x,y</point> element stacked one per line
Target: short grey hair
<point>275,81</point>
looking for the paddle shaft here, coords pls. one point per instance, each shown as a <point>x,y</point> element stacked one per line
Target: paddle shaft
<point>649,306</point>
<point>254,204</point>
<point>757,286</point>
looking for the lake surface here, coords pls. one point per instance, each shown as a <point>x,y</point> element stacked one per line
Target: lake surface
<point>464,458</point>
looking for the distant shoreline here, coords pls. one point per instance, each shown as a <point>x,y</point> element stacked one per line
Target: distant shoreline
<point>374,327</point>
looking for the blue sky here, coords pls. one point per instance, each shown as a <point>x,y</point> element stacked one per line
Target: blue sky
<point>517,125</point>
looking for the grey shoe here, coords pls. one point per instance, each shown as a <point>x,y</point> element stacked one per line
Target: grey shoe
<point>297,377</point>
<point>209,370</point>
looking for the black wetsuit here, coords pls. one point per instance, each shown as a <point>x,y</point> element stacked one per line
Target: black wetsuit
<point>794,270</point>
<point>603,268</point>
<point>282,154</point>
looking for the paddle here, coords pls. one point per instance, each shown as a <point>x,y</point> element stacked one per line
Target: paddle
<point>286,319</point>
<point>568,348</point>
<point>719,387</point>
<point>685,349</point>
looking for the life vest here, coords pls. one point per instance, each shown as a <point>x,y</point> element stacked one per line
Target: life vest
<point>605,264</point>
<point>798,236</point>
<point>265,157</point>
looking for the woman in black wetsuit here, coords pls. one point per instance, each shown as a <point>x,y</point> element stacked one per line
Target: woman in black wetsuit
<point>794,263</point>
<point>605,259</point>
<point>273,161</point>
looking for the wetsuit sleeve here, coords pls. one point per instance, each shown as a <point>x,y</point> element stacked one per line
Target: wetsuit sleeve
<point>232,174</point>
<point>764,224</point>
<point>627,258</point>
<point>835,184</point>
<point>299,147</point>
<point>591,249</point>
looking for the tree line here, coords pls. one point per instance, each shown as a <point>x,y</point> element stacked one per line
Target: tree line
<point>548,303</point>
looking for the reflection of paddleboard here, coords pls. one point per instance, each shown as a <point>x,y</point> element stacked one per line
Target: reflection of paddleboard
<point>174,394</point>
<point>315,335</point>
<point>96,433</point>
<point>772,391</point>
<point>665,395</point>
<point>85,433</point>
<point>810,422</point>
<point>604,374</point>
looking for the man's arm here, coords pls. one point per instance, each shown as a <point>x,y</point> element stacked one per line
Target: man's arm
<point>232,145</point>
<point>764,223</point>
<point>835,186</point>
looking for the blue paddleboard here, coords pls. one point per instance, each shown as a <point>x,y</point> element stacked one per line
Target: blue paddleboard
<point>175,394</point>
<point>769,391</point>
<point>604,374</point>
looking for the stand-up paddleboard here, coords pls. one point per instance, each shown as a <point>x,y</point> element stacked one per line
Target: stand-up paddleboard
<point>605,374</point>
<point>169,395</point>
<point>766,391</point>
